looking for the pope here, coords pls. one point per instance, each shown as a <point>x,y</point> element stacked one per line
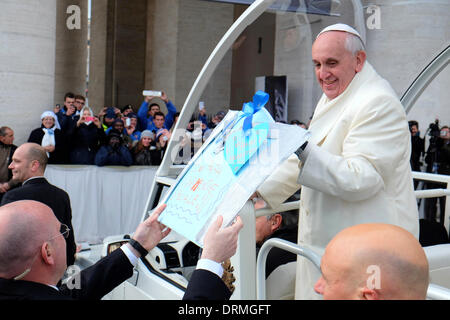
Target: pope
<point>355,167</point>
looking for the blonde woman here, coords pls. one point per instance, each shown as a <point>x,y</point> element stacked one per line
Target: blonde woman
<point>86,138</point>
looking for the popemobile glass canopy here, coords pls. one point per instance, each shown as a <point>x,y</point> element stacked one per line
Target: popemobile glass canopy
<point>268,46</point>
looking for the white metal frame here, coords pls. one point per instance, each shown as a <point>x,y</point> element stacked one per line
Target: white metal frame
<point>285,245</point>
<point>424,79</point>
<point>436,292</point>
<point>433,193</point>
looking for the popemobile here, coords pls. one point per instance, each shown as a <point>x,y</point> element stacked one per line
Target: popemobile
<point>405,51</point>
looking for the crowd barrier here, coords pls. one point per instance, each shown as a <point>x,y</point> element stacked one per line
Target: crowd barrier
<point>105,200</point>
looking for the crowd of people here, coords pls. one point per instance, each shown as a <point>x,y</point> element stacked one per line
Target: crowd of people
<point>74,134</point>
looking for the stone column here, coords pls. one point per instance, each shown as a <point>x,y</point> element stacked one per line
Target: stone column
<point>27,39</point>
<point>162,44</point>
<point>129,52</point>
<point>118,53</point>
<point>180,38</point>
<point>71,48</point>
<point>98,50</point>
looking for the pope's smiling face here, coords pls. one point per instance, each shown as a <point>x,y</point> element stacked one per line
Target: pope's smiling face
<point>334,65</point>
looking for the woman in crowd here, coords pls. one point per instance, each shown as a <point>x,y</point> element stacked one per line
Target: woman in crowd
<point>50,136</point>
<point>86,139</point>
<point>146,151</point>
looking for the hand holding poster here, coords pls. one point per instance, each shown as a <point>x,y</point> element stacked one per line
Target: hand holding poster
<point>239,155</point>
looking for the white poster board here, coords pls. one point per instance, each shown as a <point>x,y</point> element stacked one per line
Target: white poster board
<point>227,170</point>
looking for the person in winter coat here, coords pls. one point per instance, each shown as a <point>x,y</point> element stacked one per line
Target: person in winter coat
<point>86,138</point>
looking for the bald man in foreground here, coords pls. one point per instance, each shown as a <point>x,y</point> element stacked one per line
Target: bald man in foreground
<point>374,262</point>
<point>28,167</point>
<point>33,256</point>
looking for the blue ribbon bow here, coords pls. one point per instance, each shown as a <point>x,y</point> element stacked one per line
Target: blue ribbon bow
<point>250,108</point>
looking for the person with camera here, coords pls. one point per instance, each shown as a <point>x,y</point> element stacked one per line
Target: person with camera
<point>417,148</point>
<point>131,128</point>
<point>444,156</point>
<point>417,145</point>
<point>119,127</point>
<point>86,138</point>
<point>146,113</point>
<point>67,116</point>
<point>114,153</point>
<point>438,162</point>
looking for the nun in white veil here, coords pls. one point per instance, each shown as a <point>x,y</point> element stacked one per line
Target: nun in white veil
<point>50,136</point>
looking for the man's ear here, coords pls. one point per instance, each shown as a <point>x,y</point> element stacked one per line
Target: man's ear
<point>360,59</point>
<point>35,165</point>
<point>48,253</point>
<point>370,294</point>
<point>276,221</point>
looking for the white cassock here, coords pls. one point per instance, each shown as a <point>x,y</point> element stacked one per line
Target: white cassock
<point>356,170</point>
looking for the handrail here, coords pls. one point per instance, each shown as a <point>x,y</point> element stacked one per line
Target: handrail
<point>293,205</point>
<point>432,193</point>
<point>436,292</point>
<point>285,245</point>
<point>430,176</point>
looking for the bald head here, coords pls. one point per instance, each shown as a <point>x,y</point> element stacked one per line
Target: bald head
<point>24,227</point>
<point>380,260</point>
<point>29,160</point>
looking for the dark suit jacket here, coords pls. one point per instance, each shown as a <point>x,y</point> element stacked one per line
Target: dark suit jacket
<point>96,281</point>
<point>39,189</point>
<point>104,276</point>
<point>205,285</point>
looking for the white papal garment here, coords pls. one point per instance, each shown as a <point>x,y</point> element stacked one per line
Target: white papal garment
<point>357,169</point>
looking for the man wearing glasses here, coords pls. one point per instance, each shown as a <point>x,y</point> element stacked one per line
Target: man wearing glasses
<point>32,257</point>
<point>79,103</point>
<point>28,166</point>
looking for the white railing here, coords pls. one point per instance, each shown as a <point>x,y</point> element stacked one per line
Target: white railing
<point>285,245</point>
<point>433,193</point>
<point>436,292</point>
<point>245,258</point>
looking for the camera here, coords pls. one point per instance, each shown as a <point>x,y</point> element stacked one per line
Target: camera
<point>431,157</point>
<point>434,130</point>
<point>152,93</point>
